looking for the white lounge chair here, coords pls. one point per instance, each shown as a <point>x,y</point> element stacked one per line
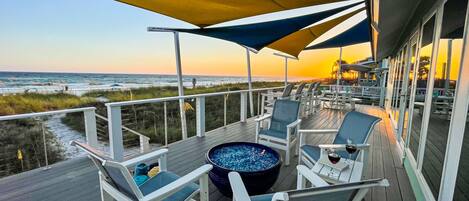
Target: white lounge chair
<point>116,182</point>
<point>321,191</point>
<point>283,127</point>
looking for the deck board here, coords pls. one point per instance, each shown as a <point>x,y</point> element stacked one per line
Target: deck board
<point>77,179</point>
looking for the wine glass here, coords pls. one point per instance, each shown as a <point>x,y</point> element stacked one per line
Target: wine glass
<point>333,157</point>
<point>350,148</point>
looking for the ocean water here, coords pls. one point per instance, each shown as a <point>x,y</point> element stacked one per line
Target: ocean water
<point>21,82</point>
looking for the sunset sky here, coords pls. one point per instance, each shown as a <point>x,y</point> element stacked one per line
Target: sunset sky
<point>108,36</point>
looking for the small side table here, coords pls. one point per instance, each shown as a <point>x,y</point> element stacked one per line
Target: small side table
<point>352,173</point>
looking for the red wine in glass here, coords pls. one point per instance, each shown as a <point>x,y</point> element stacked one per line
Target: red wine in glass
<point>333,157</point>
<point>351,148</point>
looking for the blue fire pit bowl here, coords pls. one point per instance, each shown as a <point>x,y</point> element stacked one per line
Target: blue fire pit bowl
<point>257,164</point>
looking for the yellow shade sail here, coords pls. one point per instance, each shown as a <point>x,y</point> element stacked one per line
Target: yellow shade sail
<point>294,43</point>
<point>204,13</point>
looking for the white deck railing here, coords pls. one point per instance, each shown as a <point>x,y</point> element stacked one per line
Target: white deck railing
<point>115,114</point>
<point>360,91</point>
<point>89,118</point>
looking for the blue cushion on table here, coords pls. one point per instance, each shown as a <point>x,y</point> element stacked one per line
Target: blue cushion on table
<point>266,197</point>
<point>313,152</point>
<point>164,178</point>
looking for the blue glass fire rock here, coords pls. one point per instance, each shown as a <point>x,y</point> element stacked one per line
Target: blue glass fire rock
<point>244,158</point>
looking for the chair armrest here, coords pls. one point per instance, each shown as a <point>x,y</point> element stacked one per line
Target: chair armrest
<point>280,196</point>
<point>311,176</point>
<point>342,146</point>
<point>267,116</point>
<point>177,185</point>
<point>318,131</point>
<point>145,157</point>
<point>294,124</point>
<point>237,186</point>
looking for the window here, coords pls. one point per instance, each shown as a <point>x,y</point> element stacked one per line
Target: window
<point>422,75</point>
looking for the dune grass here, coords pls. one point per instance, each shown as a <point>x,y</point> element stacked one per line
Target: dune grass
<point>27,103</point>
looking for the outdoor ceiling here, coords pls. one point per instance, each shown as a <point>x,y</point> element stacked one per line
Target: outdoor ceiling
<point>204,13</point>
<point>294,43</point>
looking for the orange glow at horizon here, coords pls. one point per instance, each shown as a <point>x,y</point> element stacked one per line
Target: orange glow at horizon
<point>230,60</point>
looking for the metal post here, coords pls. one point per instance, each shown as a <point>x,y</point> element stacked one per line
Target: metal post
<point>286,71</point>
<point>251,102</point>
<point>180,86</point>
<point>200,116</point>
<point>165,124</point>
<point>339,68</point>
<point>448,65</point>
<point>286,57</point>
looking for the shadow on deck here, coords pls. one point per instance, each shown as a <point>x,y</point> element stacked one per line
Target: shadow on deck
<point>77,179</point>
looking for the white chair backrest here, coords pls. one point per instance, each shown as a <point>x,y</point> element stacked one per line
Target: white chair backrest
<point>342,192</point>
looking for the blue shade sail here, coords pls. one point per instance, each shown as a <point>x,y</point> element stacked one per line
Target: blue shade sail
<point>360,33</point>
<point>259,35</point>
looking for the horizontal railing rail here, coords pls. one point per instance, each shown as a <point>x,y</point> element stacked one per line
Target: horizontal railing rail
<point>43,138</point>
<point>144,141</point>
<point>115,122</point>
<point>174,98</point>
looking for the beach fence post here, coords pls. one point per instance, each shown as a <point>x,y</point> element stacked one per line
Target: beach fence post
<point>90,127</point>
<point>116,142</point>
<point>286,57</point>
<point>251,102</point>
<point>182,112</point>
<point>200,116</point>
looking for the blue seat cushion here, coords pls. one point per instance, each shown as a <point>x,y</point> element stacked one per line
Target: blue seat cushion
<point>164,178</point>
<point>313,152</point>
<point>265,197</point>
<point>273,133</point>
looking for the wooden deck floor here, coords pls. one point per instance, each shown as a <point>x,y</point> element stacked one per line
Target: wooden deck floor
<point>77,179</point>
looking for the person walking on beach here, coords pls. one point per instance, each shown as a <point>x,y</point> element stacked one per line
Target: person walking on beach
<point>194,82</point>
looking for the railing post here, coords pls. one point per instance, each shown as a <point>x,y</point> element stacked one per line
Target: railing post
<point>200,116</point>
<point>244,108</point>
<point>115,133</point>
<point>165,124</point>
<point>144,144</point>
<point>225,97</point>
<point>90,127</point>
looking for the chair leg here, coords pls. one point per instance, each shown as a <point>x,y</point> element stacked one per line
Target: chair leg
<point>203,182</point>
<point>297,148</point>
<point>299,157</point>
<point>287,155</point>
<point>300,182</point>
<point>105,196</point>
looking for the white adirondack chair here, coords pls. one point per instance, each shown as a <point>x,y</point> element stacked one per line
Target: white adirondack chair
<point>116,182</point>
<point>321,190</point>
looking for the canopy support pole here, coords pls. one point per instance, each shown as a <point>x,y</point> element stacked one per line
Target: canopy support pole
<point>448,65</point>
<point>339,69</point>
<point>182,112</point>
<point>251,103</point>
<point>286,64</point>
<point>286,71</point>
